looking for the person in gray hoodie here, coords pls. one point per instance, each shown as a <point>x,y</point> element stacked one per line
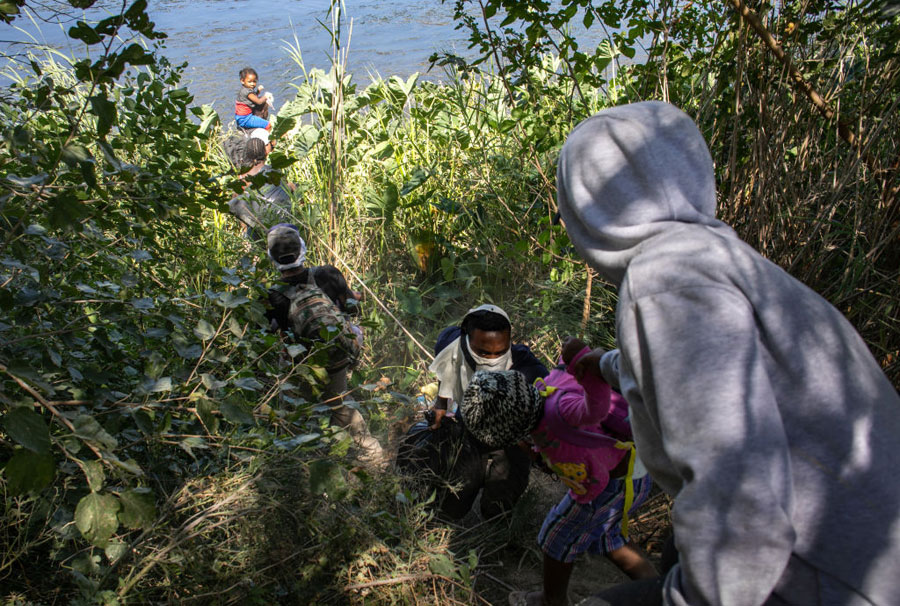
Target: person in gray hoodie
<point>754,403</point>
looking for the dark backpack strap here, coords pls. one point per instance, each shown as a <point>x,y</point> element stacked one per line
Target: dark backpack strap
<point>280,306</point>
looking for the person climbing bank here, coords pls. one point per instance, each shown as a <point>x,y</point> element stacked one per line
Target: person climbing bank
<point>304,308</point>
<point>483,342</point>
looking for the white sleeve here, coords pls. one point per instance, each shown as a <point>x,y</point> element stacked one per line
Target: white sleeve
<point>609,367</point>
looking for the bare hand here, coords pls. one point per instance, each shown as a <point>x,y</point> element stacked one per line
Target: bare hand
<point>570,348</point>
<point>438,415</point>
<point>588,363</point>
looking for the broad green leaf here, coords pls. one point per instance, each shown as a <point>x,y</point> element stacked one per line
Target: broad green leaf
<point>138,508</point>
<point>205,410</point>
<point>418,177</point>
<point>204,330</point>
<point>115,550</point>
<point>93,471</point>
<point>235,413</point>
<point>296,350</point>
<point>29,471</point>
<point>75,155</point>
<point>143,303</point>
<point>28,429</point>
<point>84,32</point>
<point>230,300</point>
<point>189,444</point>
<point>441,565</point>
<point>143,421</point>
<point>248,383</point>
<point>129,465</point>
<point>87,428</point>
<point>158,385</point>
<point>383,150</point>
<point>105,110</point>
<point>96,517</point>
<point>235,327</point>
<point>327,477</point>
<point>282,126</point>
<point>26,182</point>
<point>296,441</point>
<point>188,352</point>
<point>211,383</point>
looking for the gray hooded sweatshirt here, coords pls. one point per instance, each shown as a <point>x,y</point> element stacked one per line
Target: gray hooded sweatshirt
<point>754,402</point>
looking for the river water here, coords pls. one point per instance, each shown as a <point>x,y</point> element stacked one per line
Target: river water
<point>219,37</point>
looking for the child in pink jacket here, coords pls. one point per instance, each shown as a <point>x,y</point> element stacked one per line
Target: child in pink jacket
<point>581,431</point>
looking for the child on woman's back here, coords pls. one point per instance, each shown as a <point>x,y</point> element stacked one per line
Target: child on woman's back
<point>251,109</point>
<point>578,426</point>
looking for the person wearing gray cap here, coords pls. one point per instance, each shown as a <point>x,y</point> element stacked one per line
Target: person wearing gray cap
<point>305,309</point>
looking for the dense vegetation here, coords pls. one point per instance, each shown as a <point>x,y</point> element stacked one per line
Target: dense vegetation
<point>152,444</point>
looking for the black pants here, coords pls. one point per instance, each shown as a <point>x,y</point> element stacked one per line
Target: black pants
<point>501,475</point>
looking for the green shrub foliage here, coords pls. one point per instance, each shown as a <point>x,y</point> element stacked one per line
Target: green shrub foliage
<point>157,442</point>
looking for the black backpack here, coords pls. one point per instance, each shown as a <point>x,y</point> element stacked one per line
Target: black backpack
<point>440,459</point>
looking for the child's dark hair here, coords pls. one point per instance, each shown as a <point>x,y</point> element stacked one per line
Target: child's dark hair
<point>255,150</point>
<point>487,321</point>
<point>247,71</point>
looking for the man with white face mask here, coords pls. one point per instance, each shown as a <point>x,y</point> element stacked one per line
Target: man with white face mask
<point>483,342</point>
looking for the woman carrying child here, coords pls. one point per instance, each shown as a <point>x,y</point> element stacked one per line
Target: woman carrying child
<point>578,427</point>
<point>250,109</point>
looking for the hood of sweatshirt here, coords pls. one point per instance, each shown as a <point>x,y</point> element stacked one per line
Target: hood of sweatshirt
<point>630,173</point>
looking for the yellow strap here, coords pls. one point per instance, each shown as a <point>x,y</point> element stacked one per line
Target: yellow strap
<point>548,389</point>
<point>629,484</point>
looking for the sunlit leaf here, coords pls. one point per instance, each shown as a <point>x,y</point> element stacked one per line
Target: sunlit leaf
<point>93,471</point>
<point>95,517</point>
<point>204,330</point>
<point>87,428</point>
<point>441,565</point>
<point>296,349</point>
<point>327,477</point>
<point>115,550</point>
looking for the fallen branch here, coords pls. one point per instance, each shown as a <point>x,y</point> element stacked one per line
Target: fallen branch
<point>394,581</point>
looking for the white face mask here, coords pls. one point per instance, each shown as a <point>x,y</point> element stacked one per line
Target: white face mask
<point>503,362</point>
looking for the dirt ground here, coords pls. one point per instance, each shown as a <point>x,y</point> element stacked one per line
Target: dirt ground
<point>509,559</point>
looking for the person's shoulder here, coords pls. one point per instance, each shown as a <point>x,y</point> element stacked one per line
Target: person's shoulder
<point>687,260</point>
<point>329,271</point>
<point>524,361</point>
<point>446,337</point>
